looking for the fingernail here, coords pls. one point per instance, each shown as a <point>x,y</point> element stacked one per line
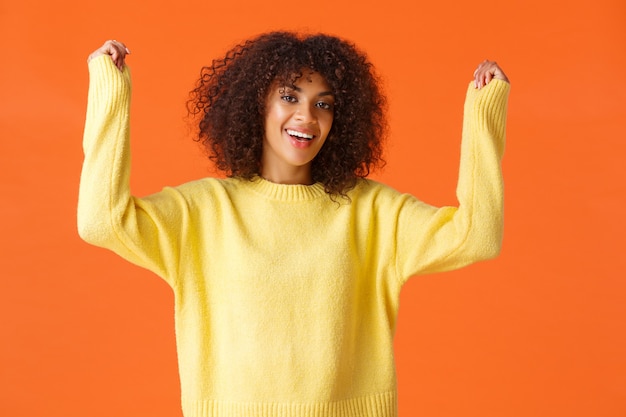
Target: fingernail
<point>127,51</point>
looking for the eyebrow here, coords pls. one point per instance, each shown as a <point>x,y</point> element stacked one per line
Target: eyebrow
<point>323,93</point>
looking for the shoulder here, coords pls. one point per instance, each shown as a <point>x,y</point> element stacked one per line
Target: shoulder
<point>210,186</point>
<point>375,192</point>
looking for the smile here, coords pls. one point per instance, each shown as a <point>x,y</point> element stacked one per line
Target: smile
<point>300,135</point>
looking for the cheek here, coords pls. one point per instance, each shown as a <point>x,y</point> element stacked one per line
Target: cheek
<point>269,121</point>
<point>274,116</point>
<point>328,123</point>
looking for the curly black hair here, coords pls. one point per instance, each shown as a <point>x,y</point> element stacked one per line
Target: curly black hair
<point>230,96</point>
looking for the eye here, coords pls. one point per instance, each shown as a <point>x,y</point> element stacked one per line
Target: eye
<point>288,98</point>
<point>323,105</point>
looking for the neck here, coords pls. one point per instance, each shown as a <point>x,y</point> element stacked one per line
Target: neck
<point>294,176</point>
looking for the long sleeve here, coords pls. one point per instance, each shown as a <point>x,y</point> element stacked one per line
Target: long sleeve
<point>452,237</point>
<point>108,216</point>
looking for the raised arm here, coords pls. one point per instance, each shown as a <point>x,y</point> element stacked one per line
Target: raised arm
<point>139,230</point>
<point>437,239</point>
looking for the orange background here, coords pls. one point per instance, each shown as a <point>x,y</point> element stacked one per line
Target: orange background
<point>540,331</point>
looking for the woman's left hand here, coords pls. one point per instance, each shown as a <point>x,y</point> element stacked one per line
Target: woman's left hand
<point>116,50</point>
<point>487,71</point>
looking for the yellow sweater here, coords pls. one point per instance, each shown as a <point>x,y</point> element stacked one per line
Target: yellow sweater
<point>285,301</point>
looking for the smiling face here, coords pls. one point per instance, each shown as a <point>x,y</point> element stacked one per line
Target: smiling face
<point>297,121</point>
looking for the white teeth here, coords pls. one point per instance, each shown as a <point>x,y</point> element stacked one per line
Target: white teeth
<point>299,134</point>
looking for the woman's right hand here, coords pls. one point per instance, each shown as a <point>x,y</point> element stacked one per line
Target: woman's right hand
<point>487,71</point>
<point>116,50</point>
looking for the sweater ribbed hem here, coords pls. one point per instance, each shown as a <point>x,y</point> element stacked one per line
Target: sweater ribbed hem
<point>376,405</point>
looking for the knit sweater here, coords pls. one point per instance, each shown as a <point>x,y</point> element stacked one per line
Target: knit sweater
<point>285,300</point>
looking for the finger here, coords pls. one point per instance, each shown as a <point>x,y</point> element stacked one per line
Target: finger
<point>499,74</point>
<point>115,49</point>
<point>120,46</point>
<point>486,72</point>
<point>118,61</point>
<point>495,72</point>
<point>115,57</point>
<point>476,77</point>
<point>488,76</point>
<point>479,74</point>
<point>118,52</point>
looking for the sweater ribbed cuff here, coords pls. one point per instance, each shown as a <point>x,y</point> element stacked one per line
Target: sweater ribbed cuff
<point>108,86</point>
<point>489,106</point>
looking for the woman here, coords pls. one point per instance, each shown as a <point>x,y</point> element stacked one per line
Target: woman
<point>287,273</point>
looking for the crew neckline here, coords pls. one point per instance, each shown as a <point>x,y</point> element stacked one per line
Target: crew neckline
<point>287,192</point>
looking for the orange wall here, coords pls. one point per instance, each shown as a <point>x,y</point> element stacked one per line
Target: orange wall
<point>538,332</point>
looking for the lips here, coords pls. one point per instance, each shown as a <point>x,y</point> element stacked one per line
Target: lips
<point>299,135</point>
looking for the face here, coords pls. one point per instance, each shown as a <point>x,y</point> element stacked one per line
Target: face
<point>297,121</point>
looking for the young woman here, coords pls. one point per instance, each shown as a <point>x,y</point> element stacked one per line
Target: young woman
<point>287,273</point>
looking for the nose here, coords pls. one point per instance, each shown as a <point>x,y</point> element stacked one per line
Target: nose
<point>305,114</point>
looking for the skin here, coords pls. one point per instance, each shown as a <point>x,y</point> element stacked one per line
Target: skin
<point>307,108</point>
<point>487,71</point>
<point>116,50</point>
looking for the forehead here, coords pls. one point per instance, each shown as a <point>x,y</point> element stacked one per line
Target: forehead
<point>305,78</point>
